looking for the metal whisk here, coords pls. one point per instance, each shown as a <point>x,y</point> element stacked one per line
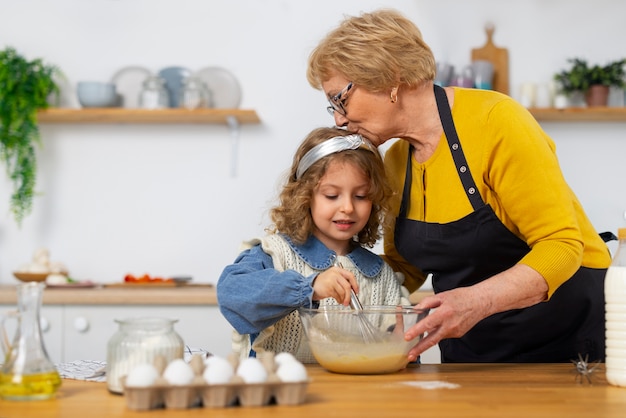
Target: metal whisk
<point>369,332</point>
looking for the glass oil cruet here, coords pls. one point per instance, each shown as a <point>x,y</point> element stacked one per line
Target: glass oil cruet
<point>27,372</point>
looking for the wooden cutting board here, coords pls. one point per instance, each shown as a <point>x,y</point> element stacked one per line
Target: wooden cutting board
<point>499,57</point>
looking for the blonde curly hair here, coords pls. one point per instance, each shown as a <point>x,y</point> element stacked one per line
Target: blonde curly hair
<point>376,51</point>
<point>292,216</point>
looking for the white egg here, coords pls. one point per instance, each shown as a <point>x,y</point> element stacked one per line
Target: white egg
<point>292,371</point>
<point>251,370</point>
<point>178,372</point>
<point>142,375</point>
<point>283,357</point>
<point>218,370</point>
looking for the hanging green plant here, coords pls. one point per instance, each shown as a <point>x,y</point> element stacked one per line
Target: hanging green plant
<point>24,89</point>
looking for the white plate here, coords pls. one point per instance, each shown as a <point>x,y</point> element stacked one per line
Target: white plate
<point>129,82</point>
<point>223,85</point>
<point>174,77</point>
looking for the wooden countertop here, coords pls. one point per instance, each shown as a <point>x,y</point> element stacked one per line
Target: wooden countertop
<point>200,294</point>
<point>145,295</point>
<point>484,390</point>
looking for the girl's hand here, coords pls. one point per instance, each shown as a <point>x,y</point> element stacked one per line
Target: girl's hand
<point>335,283</point>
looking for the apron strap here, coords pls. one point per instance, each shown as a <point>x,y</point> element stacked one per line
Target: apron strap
<point>455,148</point>
<point>406,192</point>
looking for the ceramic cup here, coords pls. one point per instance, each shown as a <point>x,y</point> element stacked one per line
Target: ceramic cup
<point>528,93</point>
<point>483,74</point>
<point>561,101</point>
<point>544,95</point>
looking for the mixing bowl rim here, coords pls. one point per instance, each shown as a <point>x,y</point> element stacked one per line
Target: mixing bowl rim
<point>372,309</point>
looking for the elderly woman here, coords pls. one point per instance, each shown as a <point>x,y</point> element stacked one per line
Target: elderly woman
<point>482,206</point>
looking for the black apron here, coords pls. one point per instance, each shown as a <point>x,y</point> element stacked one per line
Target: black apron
<point>478,246</point>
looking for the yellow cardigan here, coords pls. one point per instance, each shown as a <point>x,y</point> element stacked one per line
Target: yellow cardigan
<point>515,167</point>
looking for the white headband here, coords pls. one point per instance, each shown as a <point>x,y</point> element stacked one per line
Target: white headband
<point>331,146</point>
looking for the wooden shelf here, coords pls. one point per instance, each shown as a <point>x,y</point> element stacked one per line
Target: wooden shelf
<point>161,116</point>
<point>580,114</point>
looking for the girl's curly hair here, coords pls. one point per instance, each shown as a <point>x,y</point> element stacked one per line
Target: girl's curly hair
<point>292,216</point>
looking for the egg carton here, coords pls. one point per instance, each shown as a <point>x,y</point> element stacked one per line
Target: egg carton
<point>215,395</point>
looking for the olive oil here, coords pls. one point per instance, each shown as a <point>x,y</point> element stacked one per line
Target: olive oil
<point>27,373</point>
<point>29,386</point>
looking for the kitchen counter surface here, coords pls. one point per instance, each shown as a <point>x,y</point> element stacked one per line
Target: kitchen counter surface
<point>191,294</point>
<point>134,295</point>
<point>474,390</point>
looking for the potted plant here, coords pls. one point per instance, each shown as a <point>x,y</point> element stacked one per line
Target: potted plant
<point>592,81</point>
<point>24,89</point>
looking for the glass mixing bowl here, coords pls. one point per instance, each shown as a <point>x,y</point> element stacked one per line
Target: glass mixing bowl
<point>370,341</point>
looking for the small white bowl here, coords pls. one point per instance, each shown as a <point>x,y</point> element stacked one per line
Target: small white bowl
<point>97,94</point>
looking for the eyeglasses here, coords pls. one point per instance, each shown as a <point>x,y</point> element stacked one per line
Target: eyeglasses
<point>338,101</point>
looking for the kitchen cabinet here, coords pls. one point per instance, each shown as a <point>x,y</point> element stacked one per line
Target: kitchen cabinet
<point>87,329</point>
<point>77,323</point>
<point>580,114</point>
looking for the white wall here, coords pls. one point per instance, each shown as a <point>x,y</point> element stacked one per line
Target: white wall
<point>117,199</point>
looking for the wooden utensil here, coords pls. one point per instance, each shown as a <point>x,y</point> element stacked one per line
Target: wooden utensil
<point>499,57</point>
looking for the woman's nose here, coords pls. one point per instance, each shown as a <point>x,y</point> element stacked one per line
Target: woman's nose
<point>340,120</point>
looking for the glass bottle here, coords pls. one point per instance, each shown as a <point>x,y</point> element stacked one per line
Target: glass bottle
<point>27,372</point>
<point>153,94</point>
<point>139,341</point>
<point>615,297</point>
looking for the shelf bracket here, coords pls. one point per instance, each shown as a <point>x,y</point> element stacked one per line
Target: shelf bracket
<point>234,126</point>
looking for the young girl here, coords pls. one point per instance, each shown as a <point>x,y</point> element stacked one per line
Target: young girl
<point>330,209</point>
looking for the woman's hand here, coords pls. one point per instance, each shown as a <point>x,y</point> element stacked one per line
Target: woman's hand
<point>452,314</point>
<point>335,283</point>
<point>456,311</point>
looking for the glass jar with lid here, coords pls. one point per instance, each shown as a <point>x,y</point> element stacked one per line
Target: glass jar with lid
<point>153,94</point>
<point>194,94</point>
<point>139,341</point>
